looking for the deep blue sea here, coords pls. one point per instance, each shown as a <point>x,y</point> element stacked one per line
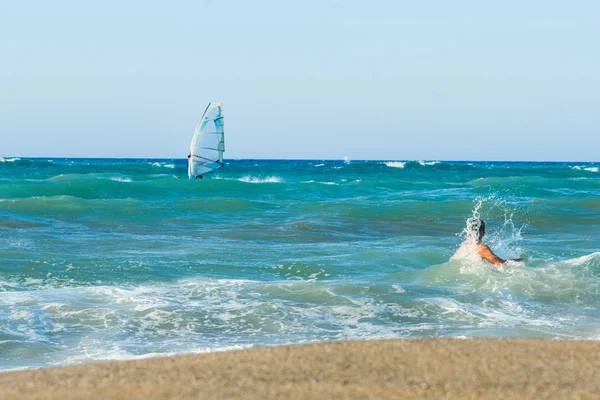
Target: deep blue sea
<point>124,258</point>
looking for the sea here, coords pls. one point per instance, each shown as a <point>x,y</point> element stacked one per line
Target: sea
<point>112,259</point>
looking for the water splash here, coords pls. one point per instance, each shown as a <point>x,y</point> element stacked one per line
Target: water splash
<point>504,240</point>
<point>473,223</point>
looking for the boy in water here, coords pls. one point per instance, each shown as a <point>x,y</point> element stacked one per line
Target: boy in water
<point>477,232</point>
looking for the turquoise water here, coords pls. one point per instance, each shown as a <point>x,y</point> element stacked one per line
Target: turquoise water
<point>116,259</point>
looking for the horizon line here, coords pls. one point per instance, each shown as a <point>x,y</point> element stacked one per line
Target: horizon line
<point>305,159</point>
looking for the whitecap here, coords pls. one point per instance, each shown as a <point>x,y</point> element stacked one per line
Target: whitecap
<point>395,164</point>
<point>584,168</point>
<point>398,288</point>
<point>165,165</point>
<point>583,260</point>
<point>5,160</point>
<point>252,179</point>
<point>424,163</point>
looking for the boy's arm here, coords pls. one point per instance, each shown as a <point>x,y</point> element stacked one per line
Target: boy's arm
<point>486,253</point>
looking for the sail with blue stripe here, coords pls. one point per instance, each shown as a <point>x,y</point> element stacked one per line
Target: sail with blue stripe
<point>208,142</point>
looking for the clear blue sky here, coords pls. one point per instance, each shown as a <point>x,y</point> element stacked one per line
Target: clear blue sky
<point>511,80</point>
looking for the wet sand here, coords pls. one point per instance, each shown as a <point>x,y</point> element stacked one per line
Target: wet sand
<point>383,369</point>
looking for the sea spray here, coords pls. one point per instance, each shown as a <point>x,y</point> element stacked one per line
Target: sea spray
<point>505,238</point>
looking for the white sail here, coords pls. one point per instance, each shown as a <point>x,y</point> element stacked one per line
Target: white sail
<point>208,142</point>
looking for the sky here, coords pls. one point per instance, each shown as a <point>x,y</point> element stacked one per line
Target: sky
<point>311,79</point>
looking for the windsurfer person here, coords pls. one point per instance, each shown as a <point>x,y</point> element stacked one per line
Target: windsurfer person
<point>197,176</point>
<point>474,246</point>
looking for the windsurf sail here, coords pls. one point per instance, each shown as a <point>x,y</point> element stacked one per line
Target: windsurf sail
<point>208,142</point>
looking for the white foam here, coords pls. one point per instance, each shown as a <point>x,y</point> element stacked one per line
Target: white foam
<point>202,314</point>
<point>5,284</point>
<point>253,179</point>
<point>117,179</point>
<point>118,354</point>
<point>424,163</point>
<point>395,164</point>
<point>14,369</point>
<point>162,164</point>
<point>584,168</point>
<point>450,306</point>
<point>220,349</point>
<point>68,177</point>
<point>13,298</point>
<point>583,260</point>
<point>398,288</point>
<point>5,160</point>
<point>319,165</point>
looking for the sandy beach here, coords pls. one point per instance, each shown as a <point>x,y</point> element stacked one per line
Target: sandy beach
<point>419,368</point>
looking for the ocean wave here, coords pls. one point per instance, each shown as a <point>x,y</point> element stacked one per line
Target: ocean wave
<point>84,177</point>
<point>120,353</point>
<point>254,179</point>
<point>60,197</point>
<point>9,160</point>
<point>395,164</point>
<point>594,257</point>
<point>162,164</point>
<point>73,177</point>
<point>404,164</point>
<point>329,183</point>
<point>117,179</point>
<point>586,265</point>
<point>304,304</point>
<point>568,282</point>
<point>585,168</point>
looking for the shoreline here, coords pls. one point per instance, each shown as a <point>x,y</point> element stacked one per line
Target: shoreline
<point>392,368</point>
